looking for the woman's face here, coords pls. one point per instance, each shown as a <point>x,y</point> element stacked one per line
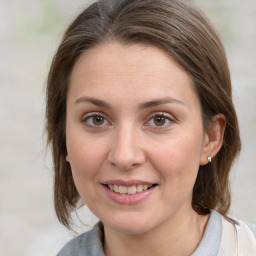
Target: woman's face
<point>134,136</point>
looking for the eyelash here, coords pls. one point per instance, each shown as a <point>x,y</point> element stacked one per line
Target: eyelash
<point>160,115</point>
<point>86,118</point>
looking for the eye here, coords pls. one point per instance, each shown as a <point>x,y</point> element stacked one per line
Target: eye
<point>98,120</point>
<point>94,120</point>
<point>160,120</point>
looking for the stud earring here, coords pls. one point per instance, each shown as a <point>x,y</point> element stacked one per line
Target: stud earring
<point>209,159</point>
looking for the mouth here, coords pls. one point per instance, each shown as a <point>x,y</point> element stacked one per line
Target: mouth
<point>129,190</point>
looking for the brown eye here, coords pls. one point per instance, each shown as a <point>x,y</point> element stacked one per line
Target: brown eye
<point>98,120</point>
<point>159,120</point>
<point>94,120</point>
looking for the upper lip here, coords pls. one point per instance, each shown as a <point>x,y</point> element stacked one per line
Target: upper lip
<point>127,183</point>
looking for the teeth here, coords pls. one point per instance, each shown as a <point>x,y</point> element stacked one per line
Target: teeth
<point>122,190</point>
<point>132,190</point>
<point>145,187</point>
<point>139,188</point>
<point>116,188</point>
<point>128,190</point>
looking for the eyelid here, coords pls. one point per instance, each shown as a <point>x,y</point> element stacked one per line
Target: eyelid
<point>93,114</point>
<point>162,114</point>
<point>167,116</point>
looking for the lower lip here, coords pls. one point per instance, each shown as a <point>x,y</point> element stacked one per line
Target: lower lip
<point>126,198</point>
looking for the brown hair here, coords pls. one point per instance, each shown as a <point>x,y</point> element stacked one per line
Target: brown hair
<point>185,34</point>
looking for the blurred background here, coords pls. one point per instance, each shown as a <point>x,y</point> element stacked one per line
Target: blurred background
<point>30,31</point>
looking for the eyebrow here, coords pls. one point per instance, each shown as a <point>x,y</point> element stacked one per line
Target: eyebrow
<point>157,102</point>
<point>148,104</point>
<point>94,101</point>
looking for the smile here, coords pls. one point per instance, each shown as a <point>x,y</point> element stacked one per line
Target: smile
<point>128,190</point>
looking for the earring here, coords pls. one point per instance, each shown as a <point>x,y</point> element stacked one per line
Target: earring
<point>209,159</point>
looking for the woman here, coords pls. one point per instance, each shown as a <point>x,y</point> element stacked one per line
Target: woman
<point>143,130</point>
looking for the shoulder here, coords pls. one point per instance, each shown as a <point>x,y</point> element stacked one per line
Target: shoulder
<point>252,227</point>
<point>238,237</point>
<point>241,226</point>
<point>86,244</point>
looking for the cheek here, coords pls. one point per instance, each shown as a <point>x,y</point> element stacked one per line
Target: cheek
<point>85,161</point>
<point>178,159</point>
<point>85,158</point>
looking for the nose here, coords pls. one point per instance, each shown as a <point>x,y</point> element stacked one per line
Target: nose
<point>126,150</point>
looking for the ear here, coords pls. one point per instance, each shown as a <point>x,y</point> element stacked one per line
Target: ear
<point>67,157</point>
<point>213,138</point>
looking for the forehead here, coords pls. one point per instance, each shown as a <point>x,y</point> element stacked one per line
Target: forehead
<point>116,55</point>
<point>133,68</point>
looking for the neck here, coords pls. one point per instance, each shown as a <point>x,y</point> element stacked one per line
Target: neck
<point>178,236</point>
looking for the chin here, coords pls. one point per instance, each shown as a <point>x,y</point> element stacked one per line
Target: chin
<point>130,225</point>
<point>131,229</point>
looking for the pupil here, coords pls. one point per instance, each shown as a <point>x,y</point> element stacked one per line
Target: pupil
<point>159,120</point>
<point>98,120</point>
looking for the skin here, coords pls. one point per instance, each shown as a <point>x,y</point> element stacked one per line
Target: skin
<point>128,143</point>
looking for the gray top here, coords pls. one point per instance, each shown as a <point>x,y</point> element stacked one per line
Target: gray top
<point>90,243</point>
